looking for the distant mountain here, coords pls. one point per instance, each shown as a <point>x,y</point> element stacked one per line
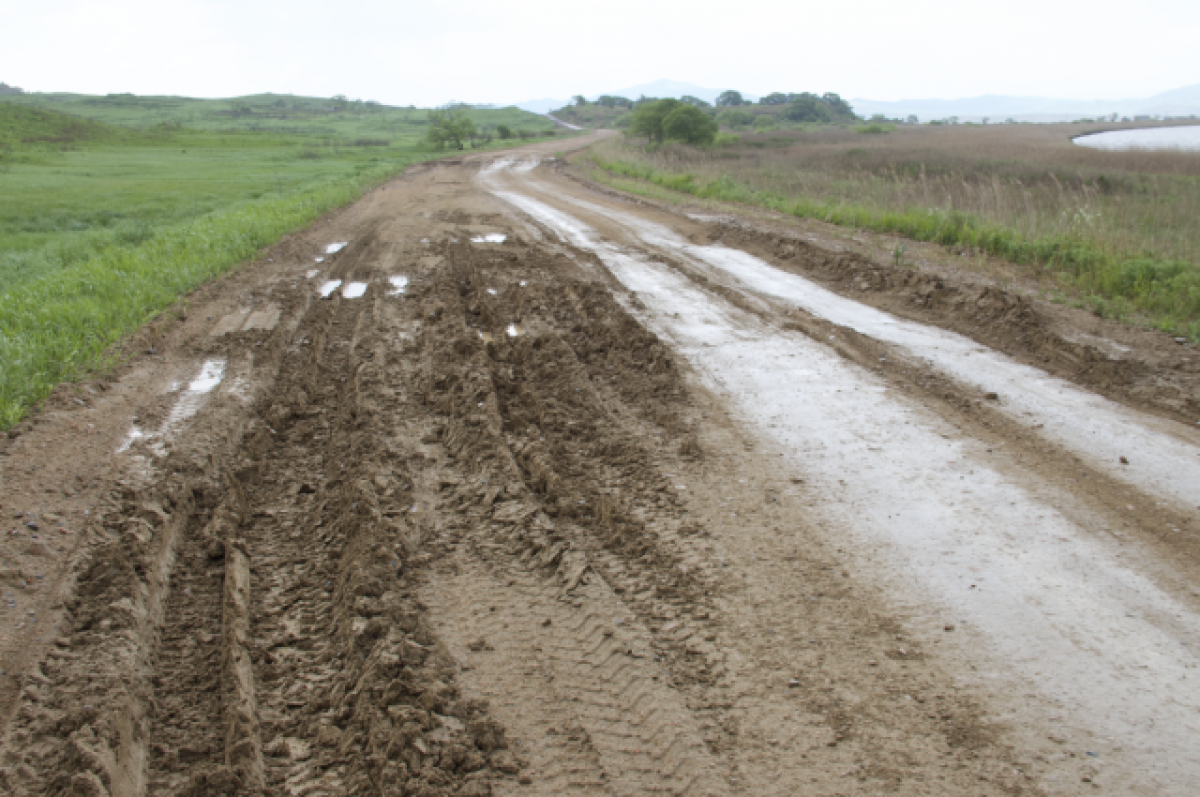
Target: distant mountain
<point>1177,102</point>
<point>541,106</point>
<point>674,88</point>
<point>659,88</point>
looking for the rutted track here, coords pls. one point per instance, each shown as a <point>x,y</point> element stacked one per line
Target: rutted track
<point>478,528</point>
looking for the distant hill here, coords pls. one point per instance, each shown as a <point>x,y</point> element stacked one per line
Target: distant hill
<point>24,125</point>
<point>1177,102</point>
<point>7,89</point>
<point>264,113</point>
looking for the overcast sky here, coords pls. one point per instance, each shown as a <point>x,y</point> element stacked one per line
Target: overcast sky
<point>422,53</point>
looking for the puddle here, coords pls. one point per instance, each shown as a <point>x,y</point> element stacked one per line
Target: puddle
<point>513,330</point>
<point>490,238</point>
<point>335,248</point>
<point>212,372</point>
<point>523,283</point>
<point>134,435</point>
<point>312,272</point>
<point>493,292</point>
<point>329,287</point>
<point>400,283</point>
<point>320,260</point>
<point>354,290</point>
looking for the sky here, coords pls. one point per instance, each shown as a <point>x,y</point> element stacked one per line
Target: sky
<point>424,53</point>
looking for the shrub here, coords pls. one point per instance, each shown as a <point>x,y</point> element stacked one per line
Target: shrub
<point>689,124</point>
<point>734,118</point>
<point>504,131</point>
<point>451,127</point>
<point>648,119</point>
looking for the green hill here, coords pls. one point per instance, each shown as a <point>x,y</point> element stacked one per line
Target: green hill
<point>23,125</point>
<point>267,113</point>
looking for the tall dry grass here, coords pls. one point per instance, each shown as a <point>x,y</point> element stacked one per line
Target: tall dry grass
<point>1123,226</point>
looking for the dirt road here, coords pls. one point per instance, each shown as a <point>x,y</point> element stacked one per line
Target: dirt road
<point>496,483</point>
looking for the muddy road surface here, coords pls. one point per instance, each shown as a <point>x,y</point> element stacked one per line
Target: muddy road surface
<point>498,483</point>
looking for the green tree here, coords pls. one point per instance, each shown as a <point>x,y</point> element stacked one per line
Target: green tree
<point>689,124</point>
<point>840,108</point>
<point>504,131</point>
<point>699,103</point>
<point>808,107</point>
<point>774,98</point>
<point>449,127</point>
<point>609,101</point>
<point>734,118</point>
<point>648,119</point>
<point>728,99</point>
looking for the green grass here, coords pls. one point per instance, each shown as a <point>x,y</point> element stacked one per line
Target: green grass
<point>102,226</point>
<point>1164,291</point>
<point>267,113</point>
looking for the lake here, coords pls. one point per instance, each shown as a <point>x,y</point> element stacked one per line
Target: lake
<point>1145,138</point>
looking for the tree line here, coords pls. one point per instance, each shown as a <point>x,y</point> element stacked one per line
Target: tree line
<point>808,106</point>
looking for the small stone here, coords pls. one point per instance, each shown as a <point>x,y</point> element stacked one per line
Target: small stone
<point>37,548</point>
<point>505,762</point>
<point>992,396</point>
<point>1124,461</point>
<point>793,683</point>
<point>948,628</point>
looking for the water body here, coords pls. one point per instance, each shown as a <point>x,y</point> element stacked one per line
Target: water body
<point>1145,138</point>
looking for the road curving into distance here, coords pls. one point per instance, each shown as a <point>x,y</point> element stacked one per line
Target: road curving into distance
<point>498,483</point>
<point>1054,603</point>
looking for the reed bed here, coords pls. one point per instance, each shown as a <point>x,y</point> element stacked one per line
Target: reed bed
<point>1120,230</point>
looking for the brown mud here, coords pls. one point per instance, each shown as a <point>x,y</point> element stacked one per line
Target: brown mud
<point>474,536</point>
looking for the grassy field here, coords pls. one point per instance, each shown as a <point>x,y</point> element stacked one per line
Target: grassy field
<point>103,225</point>
<point>744,118</point>
<point>1120,231</point>
<point>346,120</point>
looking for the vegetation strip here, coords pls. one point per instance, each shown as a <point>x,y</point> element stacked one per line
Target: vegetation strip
<point>52,328</point>
<point>1113,285</point>
<point>104,226</point>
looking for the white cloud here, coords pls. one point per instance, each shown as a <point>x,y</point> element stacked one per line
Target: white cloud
<point>425,53</point>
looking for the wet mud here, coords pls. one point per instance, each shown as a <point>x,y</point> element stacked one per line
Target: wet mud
<point>460,512</point>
